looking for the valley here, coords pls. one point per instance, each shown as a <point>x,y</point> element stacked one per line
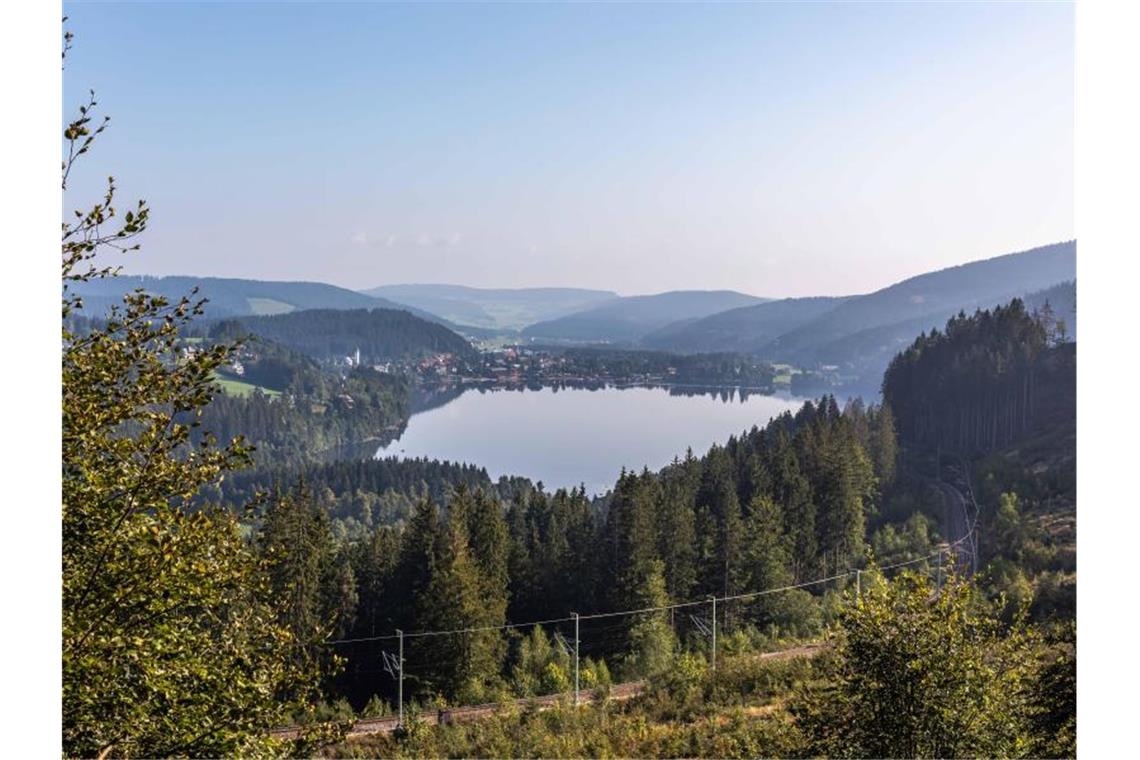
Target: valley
<point>561,380</point>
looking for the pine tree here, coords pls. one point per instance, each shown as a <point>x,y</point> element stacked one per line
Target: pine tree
<point>883,446</point>
<point>296,542</point>
<point>676,531</point>
<point>374,563</point>
<point>490,547</point>
<point>792,492</point>
<point>446,589</point>
<point>844,486</point>
<point>419,555</point>
<point>342,596</point>
<point>631,541</point>
<point>720,527</point>
<point>765,556</point>
<point>652,643</point>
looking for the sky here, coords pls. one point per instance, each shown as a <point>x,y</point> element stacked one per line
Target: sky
<point>776,149</point>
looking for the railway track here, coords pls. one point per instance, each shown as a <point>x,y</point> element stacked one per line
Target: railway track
<point>960,512</point>
<point>618,692</point>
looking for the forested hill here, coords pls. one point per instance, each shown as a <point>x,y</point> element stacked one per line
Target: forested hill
<point>293,412</point>
<point>229,297</point>
<point>494,308</point>
<point>932,296</point>
<point>860,334</point>
<point>985,382</point>
<point>381,335</point>
<point>630,318</point>
<point>360,495</point>
<point>747,329</point>
<point>777,505</point>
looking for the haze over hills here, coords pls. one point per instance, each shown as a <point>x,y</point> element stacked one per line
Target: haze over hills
<point>493,308</point>
<point>229,297</point>
<point>745,329</point>
<point>857,334</point>
<point>934,295</point>
<point>866,353</point>
<point>861,333</point>
<point>232,297</point>
<point>629,318</point>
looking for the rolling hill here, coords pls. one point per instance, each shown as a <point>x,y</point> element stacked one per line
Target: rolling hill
<point>860,334</point>
<point>929,298</point>
<point>866,353</point>
<point>493,308</point>
<point>229,297</point>
<point>746,329</point>
<point>628,319</point>
<point>329,334</point>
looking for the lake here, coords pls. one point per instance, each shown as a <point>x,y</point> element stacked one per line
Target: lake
<point>567,437</point>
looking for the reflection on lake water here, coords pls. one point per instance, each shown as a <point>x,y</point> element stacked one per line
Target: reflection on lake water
<point>566,437</point>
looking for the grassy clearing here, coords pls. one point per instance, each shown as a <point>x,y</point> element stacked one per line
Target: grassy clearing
<point>241,388</point>
<point>268,306</point>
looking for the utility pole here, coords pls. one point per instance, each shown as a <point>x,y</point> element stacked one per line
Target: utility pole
<point>714,634</point>
<point>575,614</point>
<point>400,635</point>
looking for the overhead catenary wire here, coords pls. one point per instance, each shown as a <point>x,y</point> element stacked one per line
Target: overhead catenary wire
<point>601,637</point>
<point>477,629</point>
<point>679,605</point>
<point>660,608</point>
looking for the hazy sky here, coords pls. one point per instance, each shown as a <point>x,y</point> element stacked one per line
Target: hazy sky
<point>775,149</point>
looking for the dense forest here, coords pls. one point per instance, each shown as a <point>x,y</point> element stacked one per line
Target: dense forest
<point>362,494</point>
<point>192,628</point>
<point>985,381</point>
<point>781,504</point>
<point>995,392</point>
<point>298,413</point>
<point>381,335</point>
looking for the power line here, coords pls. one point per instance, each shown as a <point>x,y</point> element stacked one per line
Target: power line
<point>749,595</point>
<point>679,605</point>
<point>478,629</point>
<point>660,608</point>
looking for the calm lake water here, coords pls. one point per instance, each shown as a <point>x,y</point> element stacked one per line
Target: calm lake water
<point>568,437</point>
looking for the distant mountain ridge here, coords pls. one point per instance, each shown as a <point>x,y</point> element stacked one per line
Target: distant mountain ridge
<point>746,329</point>
<point>230,297</point>
<point>856,334</point>
<point>932,296</point>
<point>630,318</point>
<point>860,334</point>
<point>493,308</point>
<point>234,297</point>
